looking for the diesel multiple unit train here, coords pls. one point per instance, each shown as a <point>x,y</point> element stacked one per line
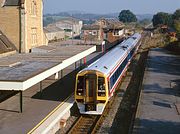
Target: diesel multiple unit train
<point>96,83</point>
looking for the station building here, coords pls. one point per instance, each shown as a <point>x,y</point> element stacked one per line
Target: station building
<point>110,30</point>
<point>22,23</point>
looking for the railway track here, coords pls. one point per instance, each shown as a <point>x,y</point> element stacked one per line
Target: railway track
<point>84,125</point>
<point>90,124</point>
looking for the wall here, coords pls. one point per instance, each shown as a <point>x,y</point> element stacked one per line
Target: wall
<point>34,21</point>
<point>111,37</point>
<point>10,23</point>
<point>89,36</point>
<point>60,35</point>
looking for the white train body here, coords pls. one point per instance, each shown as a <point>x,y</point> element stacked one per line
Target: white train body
<point>96,83</point>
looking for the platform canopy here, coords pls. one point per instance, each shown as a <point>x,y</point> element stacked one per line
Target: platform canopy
<point>21,71</point>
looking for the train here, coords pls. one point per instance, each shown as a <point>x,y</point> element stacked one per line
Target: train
<point>96,83</point>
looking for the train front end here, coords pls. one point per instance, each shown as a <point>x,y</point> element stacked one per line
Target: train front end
<point>91,92</point>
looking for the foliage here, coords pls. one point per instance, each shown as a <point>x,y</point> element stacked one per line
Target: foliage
<point>145,22</point>
<point>176,15</point>
<point>176,22</point>
<point>48,20</point>
<point>127,16</point>
<point>162,18</point>
<point>177,27</point>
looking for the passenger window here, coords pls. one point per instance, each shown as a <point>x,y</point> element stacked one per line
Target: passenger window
<point>80,85</point>
<point>101,86</point>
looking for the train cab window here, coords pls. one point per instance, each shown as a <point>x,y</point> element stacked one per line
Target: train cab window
<point>80,85</point>
<point>101,86</point>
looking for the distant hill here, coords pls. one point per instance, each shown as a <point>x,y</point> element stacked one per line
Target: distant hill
<point>144,16</point>
<point>86,17</point>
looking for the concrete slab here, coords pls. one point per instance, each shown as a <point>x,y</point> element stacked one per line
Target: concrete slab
<point>157,113</point>
<point>34,63</point>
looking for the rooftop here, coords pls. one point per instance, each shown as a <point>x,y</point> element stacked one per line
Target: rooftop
<point>21,70</point>
<point>13,2</point>
<point>5,44</point>
<point>110,23</point>
<point>91,27</point>
<point>52,28</point>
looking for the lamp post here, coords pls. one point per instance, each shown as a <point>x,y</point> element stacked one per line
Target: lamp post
<point>72,31</point>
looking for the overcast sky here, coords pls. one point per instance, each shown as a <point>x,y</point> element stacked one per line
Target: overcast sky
<point>111,6</point>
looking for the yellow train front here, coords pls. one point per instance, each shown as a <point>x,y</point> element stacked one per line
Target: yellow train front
<point>91,92</point>
<point>96,84</point>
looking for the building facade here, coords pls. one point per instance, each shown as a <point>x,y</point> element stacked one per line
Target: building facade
<point>53,33</point>
<point>22,23</point>
<point>91,32</point>
<point>71,26</point>
<point>103,29</point>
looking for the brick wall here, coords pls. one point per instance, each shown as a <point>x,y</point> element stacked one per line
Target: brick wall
<point>10,24</point>
<point>34,21</point>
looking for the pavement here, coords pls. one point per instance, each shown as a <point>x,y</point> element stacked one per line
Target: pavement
<point>158,109</point>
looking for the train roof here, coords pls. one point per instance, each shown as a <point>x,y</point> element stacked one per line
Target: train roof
<point>108,61</point>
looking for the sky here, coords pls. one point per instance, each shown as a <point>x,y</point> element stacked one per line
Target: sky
<point>111,6</point>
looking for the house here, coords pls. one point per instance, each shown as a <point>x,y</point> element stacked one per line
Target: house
<point>71,26</point>
<point>21,22</point>
<point>54,33</point>
<point>103,29</point>
<point>91,32</point>
<point>113,29</point>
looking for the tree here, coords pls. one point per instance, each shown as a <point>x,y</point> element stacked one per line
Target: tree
<point>162,18</point>
<point>176,21</point>
<point>127,16</point>
<point>145,22</point>
<point>177,27</point>
<point>48,20</point>
<point>176,15</point>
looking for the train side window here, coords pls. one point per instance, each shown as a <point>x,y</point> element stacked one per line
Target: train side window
<point>101,86</point>
<point>111,82</point>
<point>80,85</point>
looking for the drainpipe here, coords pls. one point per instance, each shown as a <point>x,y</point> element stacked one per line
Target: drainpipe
<point>22,46</point>
<point>20,42</point>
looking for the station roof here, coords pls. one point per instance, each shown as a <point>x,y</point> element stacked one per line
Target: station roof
<point>13,2</point>
<point>5,44</point>
<point>21,71</point>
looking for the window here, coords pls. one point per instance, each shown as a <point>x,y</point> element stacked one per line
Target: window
<point>116,32</point>
<point>131,53</point>
<point>117,73</point>
<point>94,33</point>
<point>34,36</point>
<point>80,85</point>
<point>101,86</point>
<point>33,9</point>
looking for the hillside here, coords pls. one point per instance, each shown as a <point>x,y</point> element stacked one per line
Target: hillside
<point>86,17</point>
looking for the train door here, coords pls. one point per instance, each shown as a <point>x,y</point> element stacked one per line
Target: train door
<point>91,87</point>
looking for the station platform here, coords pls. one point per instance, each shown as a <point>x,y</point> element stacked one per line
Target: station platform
<point>158,109</point>
<point>46,100</point>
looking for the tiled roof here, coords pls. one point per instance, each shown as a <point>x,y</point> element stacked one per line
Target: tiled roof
<point>52,28</point>
<point>5,44</point>
<point>91,27</point>
<point>113,23</point>
<point>13,2</point>
<point>110,24</point>
<point>69,20</point>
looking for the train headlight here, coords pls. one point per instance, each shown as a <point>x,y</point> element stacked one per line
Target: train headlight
<point>102,92</point>
<point>80,92</point>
